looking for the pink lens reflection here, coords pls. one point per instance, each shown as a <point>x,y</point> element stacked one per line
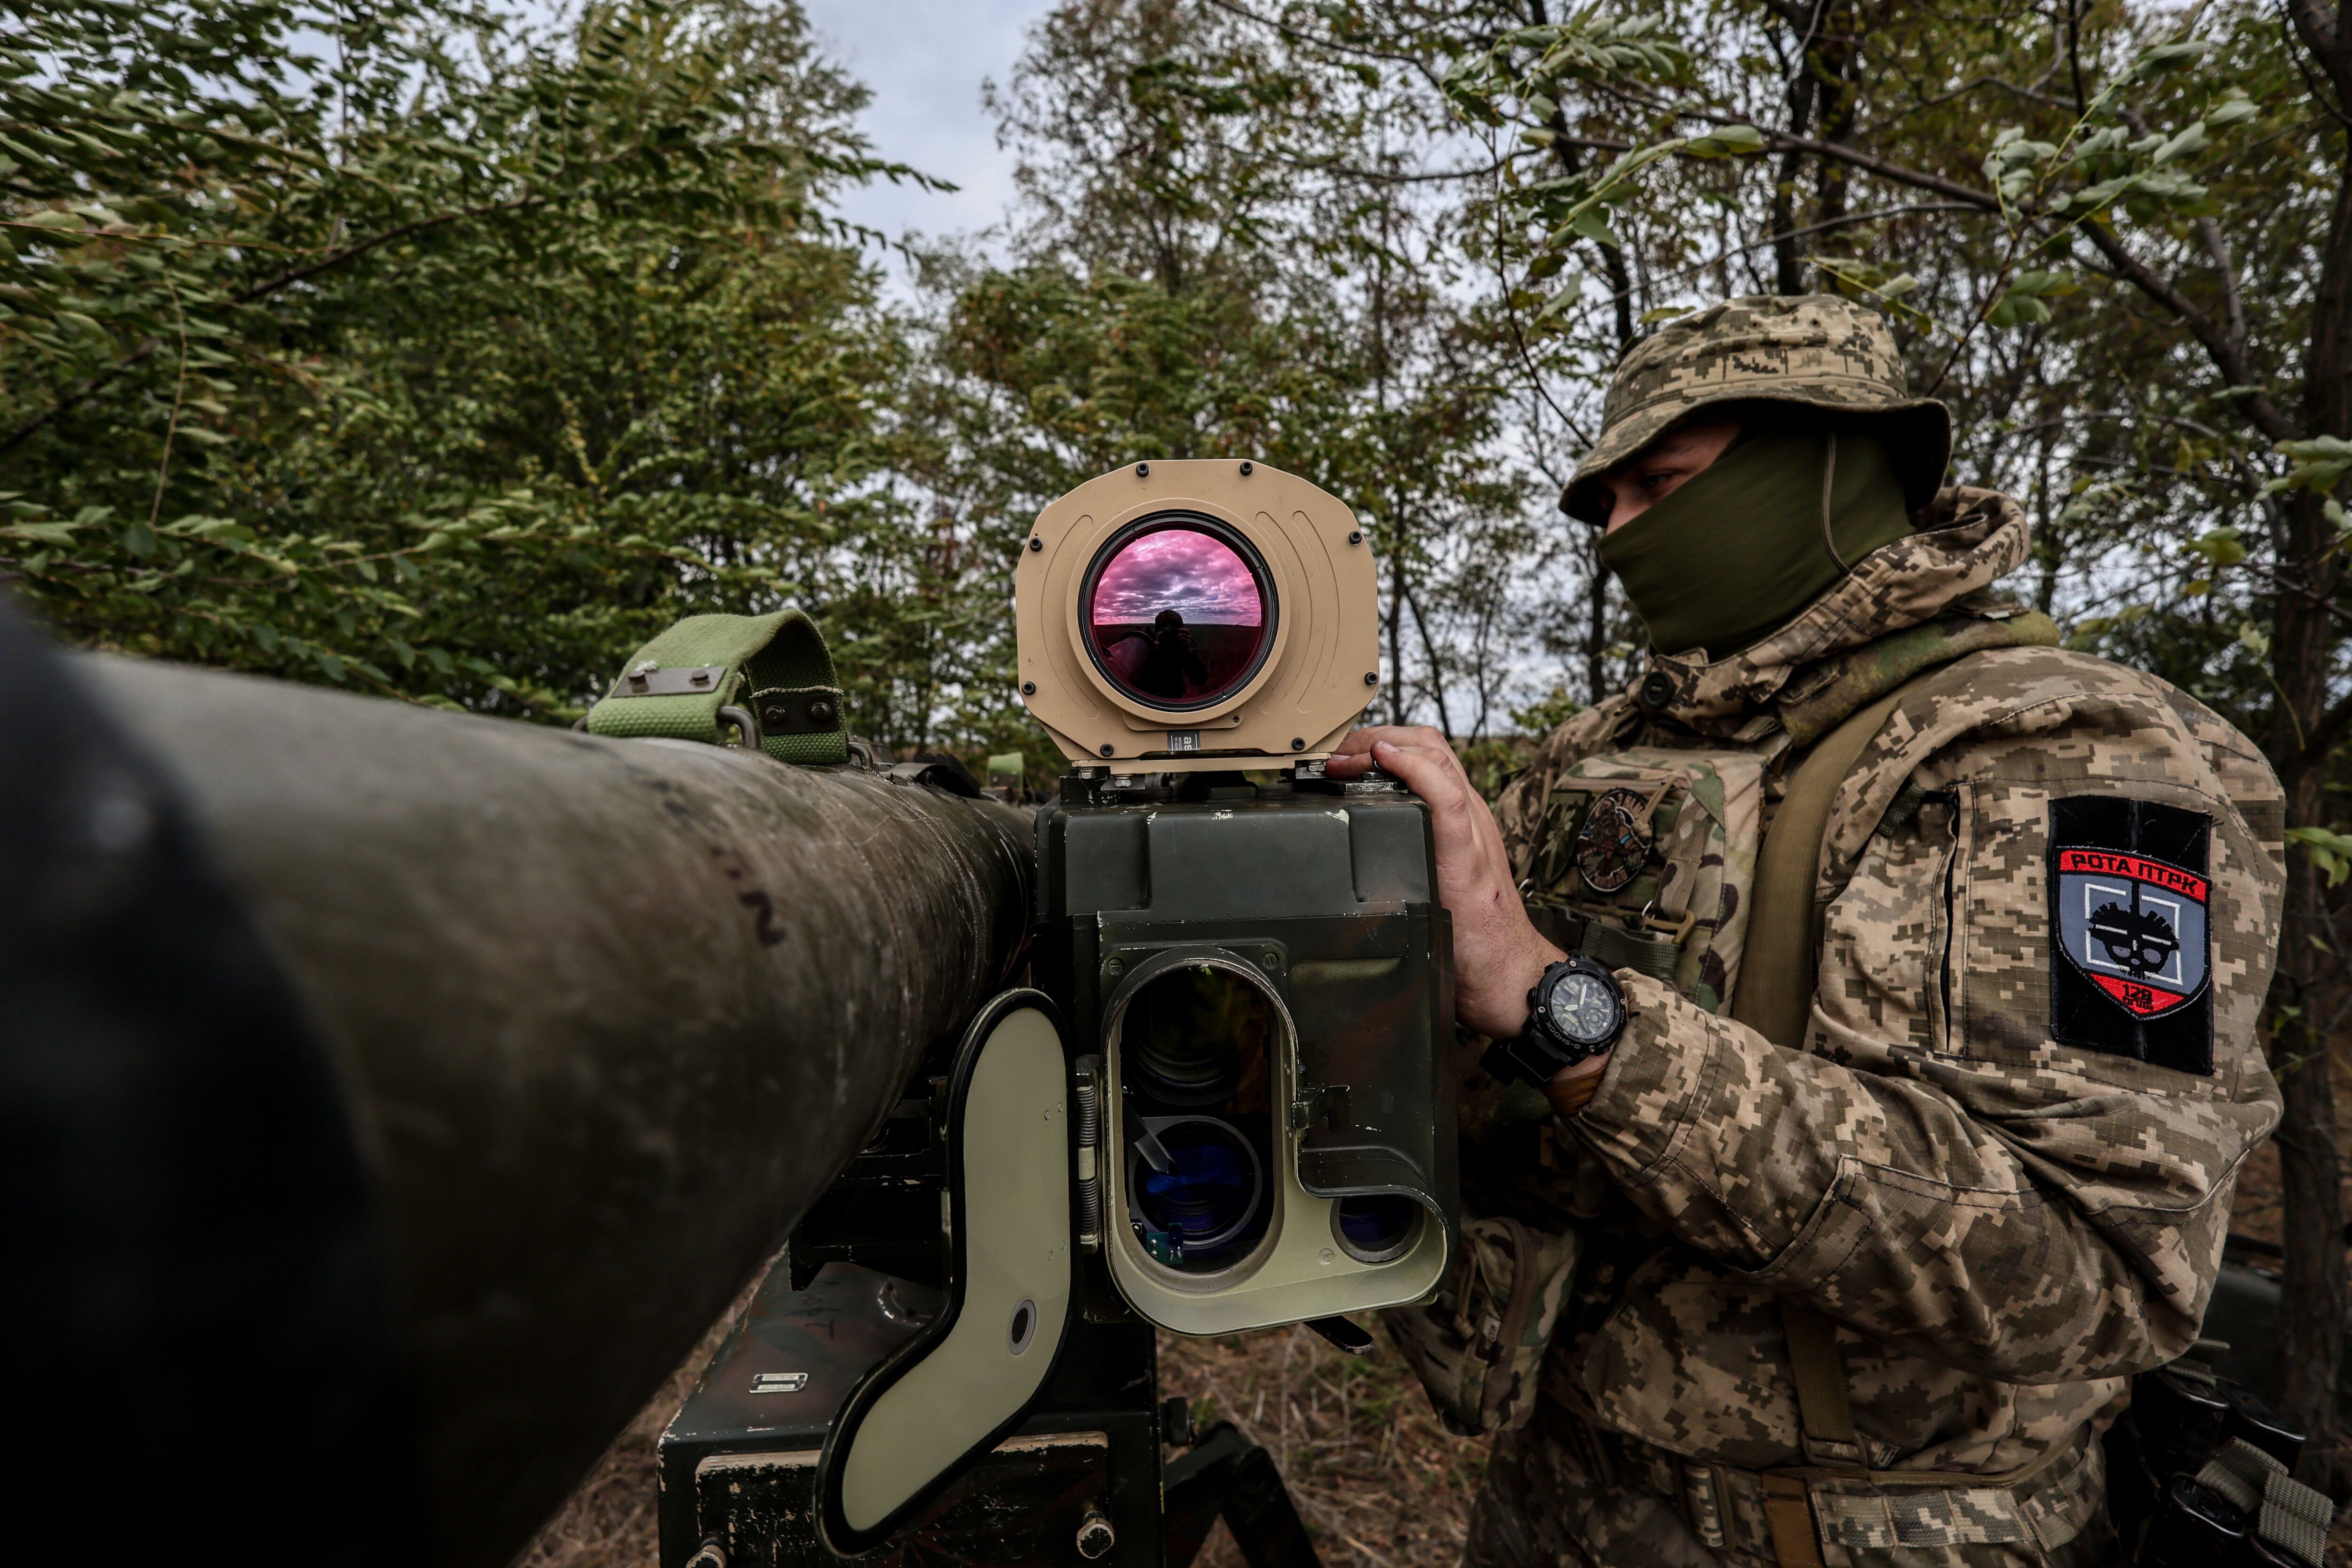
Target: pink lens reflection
<point>1176,617</point>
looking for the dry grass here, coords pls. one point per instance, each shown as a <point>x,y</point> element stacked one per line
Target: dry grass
<point>1376,1478</point>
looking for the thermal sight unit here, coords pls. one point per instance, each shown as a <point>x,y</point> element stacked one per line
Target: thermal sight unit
<point>1187,616</point>
<point>1254,968</point>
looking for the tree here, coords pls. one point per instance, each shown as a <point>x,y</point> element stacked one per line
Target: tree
<point>447,373</point>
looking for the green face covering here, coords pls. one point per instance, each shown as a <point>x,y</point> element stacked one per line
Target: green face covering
<point>1746,544</point>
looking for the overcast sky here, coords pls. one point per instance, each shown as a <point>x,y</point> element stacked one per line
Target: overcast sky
<point>925,60</point>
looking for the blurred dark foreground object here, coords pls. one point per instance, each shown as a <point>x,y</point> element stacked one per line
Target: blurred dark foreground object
<point>392,1096</point>
<point>194,1324</point>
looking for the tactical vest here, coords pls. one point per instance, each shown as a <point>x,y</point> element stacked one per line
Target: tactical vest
<point>1680,864</point>
<point>1660,860</point>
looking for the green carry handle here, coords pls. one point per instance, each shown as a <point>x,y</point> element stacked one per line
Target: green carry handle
<point>771,671</point>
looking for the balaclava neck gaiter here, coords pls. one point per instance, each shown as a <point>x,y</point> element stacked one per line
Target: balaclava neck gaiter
<point>1746,543</point>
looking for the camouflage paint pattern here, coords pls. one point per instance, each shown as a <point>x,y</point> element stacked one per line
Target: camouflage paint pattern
<point>2003,1228</point>
<point>1818,351</point>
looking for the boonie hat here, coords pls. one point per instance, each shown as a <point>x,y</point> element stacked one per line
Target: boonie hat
<point>1816,350</point>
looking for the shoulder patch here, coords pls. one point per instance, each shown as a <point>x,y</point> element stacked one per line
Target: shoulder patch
<point>2130,949</point>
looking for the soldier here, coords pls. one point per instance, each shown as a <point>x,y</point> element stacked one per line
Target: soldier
<point>1882,1196</point>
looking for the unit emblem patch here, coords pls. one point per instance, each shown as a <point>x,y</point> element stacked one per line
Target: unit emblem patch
<point>2130,905</point>
<point>1613,841</point>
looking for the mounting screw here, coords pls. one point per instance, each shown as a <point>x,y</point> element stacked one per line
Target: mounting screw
<point>1104,749</point>
<point>1247,470</point>
<point>773,715</point>
<point>1113,966</point>
<point>1143,471</point>
<point>1371,678</point>
<point>1096,1535</point>
<point>820,712</point>
<point>1036,542</point>
<point>710,1554</point>
<point>1028,688</point>
<point>1297,744</point>
<point>1355,536</point>
<point>1176,1421</point>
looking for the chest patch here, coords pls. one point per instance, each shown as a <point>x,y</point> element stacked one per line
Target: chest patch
<point>1613,841</point>
<point>2130,917</point>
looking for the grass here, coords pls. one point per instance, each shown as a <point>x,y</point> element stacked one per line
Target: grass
<point>1376,1478</point>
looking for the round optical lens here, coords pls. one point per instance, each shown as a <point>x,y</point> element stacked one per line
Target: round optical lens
<point>1176,615</point>
<point>1376,1229</point>
<point>1211,1190</point>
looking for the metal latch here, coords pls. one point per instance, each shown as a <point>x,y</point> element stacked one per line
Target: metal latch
<point>686,680</point>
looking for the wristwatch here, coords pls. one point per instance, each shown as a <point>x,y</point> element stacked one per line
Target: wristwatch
<point>1574,1013</point>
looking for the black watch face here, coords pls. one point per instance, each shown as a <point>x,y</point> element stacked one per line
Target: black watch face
<point>1583,1009</point>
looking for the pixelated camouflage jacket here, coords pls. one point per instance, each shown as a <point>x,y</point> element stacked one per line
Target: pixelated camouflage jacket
<point>2003,1227</point>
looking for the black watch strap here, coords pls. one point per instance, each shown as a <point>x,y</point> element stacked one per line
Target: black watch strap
<point>1536,1054</point>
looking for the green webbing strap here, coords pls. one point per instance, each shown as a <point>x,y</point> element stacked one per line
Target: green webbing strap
<point>1612,947</point>
<point>1774,996</point>
<point>775,666</point>
<point>1774,993</point>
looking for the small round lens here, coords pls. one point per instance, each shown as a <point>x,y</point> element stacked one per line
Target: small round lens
<point>1178,612</point>
<point>1376,1229</point>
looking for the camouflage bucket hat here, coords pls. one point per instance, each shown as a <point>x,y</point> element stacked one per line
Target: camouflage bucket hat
<point>1816,351</point>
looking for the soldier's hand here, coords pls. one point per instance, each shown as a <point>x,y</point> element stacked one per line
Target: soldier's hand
<point>1496,953</point>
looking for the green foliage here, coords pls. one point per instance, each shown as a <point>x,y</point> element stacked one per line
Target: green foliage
<point>447,374</point>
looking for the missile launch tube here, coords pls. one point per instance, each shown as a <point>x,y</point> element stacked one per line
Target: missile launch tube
<point>609,1015</point>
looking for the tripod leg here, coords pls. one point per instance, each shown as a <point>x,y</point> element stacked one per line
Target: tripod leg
<point>1263,1521</point>
<point>1198,1486</point>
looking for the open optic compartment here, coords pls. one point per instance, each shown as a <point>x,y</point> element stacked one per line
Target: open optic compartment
<point>1262,981</point>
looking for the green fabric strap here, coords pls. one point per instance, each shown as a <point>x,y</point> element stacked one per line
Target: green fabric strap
<point>774,665</point>
<point>1612,947</point>
<point>1774,993</point>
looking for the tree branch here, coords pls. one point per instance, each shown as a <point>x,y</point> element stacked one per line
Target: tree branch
<point>2211,335</point>
<point>1854,157</point>
<point>336,258</point>
<point>2325,735</point>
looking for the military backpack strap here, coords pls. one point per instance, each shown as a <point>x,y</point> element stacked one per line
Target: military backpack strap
<point>1775,998</point>
<point>771,676</point>
<point>1774,993</point>
<point>1824,1416</point>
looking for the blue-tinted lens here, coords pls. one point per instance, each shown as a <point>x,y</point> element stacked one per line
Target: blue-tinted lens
<point>1211,1190</point>
<point>1376,1227</point>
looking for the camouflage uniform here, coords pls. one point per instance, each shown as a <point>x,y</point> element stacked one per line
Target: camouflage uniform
<point>2003,1225</point>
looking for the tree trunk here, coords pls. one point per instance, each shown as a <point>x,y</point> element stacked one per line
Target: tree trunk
<point>2303,655</point>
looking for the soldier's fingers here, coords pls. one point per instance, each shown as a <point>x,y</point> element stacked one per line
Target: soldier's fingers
<point>1353,754</point>
<point>1437,777</point>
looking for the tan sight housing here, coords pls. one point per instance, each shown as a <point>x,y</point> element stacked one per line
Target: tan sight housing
<point>1316,663</point>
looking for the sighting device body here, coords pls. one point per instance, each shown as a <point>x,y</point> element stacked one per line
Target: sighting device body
<point>1261,982</point>
<point>1228,1103</point>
